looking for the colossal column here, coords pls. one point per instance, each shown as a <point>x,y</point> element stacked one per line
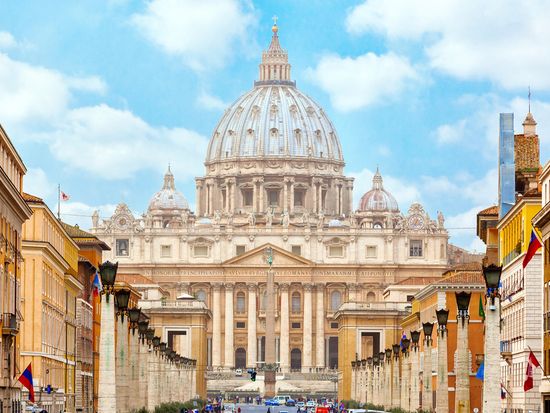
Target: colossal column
<point>216,326</point>
<point>320,330</point>
<point>291,206</point>
<point>229,342</point>
<point>255,195</point>
<point>285,321</point>
<point>306,354</point>
<point>251,352</point>
<point>462,368</point>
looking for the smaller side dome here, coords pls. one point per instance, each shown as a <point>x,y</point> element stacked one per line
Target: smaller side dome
<point>378,199</point>
<point>168,198</point>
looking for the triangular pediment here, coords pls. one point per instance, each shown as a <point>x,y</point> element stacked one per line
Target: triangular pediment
<point>257,258</point>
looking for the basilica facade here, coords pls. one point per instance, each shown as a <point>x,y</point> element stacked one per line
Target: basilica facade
<point>274,177</point>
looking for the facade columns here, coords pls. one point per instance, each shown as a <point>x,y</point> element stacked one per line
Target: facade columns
<point>229,328</point>
<point>285,194</point>
<point>308,330</point>
<point>462,368</point>
<point>388,371</point>
<point>291,206</point>
<point>261,188</point>
<point>233,183</point>
<point>199,197</point>
<point>107,400</point>
<point>442,397</point>
<point>255,195</point>
<point>251,353</point>
<point>143,360</point>
<point>285,324</point>
<point>216,326</point>
<point>320,327</point>
<point>405,381</point>
<point>133,358</point>
<point>314,193</point>
<point>395,389</point>
<point>427,397</point>
<point>152,380</point>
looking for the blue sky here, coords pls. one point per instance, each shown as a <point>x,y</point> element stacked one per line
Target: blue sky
<point>100,96</point>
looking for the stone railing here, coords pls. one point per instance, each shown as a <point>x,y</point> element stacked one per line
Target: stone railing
<point>183,304</point>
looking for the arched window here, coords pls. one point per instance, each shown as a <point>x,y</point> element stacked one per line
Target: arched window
<point>377,225</point>
<point>335,300</point>
<point>240,358</point>
<point>241,305</point>
<point>296,302</point>
<point>371,297</point>
<point>201,295</point>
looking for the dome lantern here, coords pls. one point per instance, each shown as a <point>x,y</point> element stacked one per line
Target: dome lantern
<point>378,199</point>
<point>168,198</point>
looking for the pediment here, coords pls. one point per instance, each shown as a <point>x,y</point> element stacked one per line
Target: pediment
<point>256,258</point>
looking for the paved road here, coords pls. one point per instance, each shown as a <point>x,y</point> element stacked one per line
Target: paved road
<point>252,408</point>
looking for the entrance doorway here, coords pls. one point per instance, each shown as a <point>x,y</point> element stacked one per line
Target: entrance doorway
<point>295,359</point>
<point>240,358</point>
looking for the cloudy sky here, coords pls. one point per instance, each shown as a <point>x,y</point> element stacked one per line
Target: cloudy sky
<point>100,95</point>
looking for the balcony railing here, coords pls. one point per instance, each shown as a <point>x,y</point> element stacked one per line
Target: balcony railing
<point>183,304</point>
<point>10,324</point>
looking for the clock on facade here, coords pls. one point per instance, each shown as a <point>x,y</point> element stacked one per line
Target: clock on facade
<point>416,221</point>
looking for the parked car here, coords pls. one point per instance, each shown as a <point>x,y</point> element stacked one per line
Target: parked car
<point>272,402</point>
<point>290,402</point>
<point>301,405</point>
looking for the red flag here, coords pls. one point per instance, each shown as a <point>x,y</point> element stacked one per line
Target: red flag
<point>64,196</point>
<point>534,245</point>
<point>531,362</point>
<point>26,380</point>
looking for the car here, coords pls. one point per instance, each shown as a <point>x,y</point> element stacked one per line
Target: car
<point>311,404</point>
<point>300,404</point>
<point>239,372</point>
<point>272,402</point>
<point>290,403</point>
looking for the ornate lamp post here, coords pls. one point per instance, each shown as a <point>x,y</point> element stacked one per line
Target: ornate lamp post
<point>368,380</point>
<point>442,398</point>
<point>122,298</point>
<point>395,391</point>
<point>107,395</point>
<point>491,382</point>
<point>376,379</point>
<point>143,327</point>
<point>415,366</point>
<point>387,378</point>
<point>427,396</point>
<point>405,374</point>
<point>462,392</point>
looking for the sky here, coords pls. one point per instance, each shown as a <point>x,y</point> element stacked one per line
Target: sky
<point>99,96</point>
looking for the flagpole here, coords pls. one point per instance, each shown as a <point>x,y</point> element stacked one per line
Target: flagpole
<point>58,201</point>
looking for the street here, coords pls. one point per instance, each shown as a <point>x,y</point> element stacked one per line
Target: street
<point>253,408</point>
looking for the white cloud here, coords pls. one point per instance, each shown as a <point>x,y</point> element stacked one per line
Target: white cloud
<point>504,42</point>
<point>462,229</point>
<point>404,192</point>
<point>36,183</point>
<point>355,83</point>
<point>210,102</point>
<point>92,84</point>
<point>7,41</point>
<point>120,143</point>
<point>203,33</point>
<point>451,133</point>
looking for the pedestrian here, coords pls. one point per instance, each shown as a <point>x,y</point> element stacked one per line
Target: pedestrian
<point>239,409</point>
<point>268,410</point>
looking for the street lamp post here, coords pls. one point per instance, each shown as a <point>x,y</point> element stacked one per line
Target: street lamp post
<point>382,378</point>
<point>491,382</point>
<point>427,396</point>
<point>107,400</point>
<point>376,379</point>
<point>388,368</point>
<point>396,393</point>
<point>368,380</point>
<point>143,325</point>
<point>415,368</point>
<point>134,314</point>
<point>122,298</point>
<point>442,398</point>
<point>405,374</point>
<point>462,392</point>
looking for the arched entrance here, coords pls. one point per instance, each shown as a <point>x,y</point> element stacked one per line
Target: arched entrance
<point>296,359</point>
<point>240,358</point>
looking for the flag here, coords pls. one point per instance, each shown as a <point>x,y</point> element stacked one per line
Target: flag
<point>403,337</point>
<point>97,287</point>
<point>531,362</point>
<point>534,245</point>
<point>481,310</point>
<point>481,371</point>
<point>26,380</point>
<point>64,196</point>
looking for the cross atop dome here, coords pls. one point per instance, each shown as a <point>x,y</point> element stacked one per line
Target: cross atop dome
<point>275,68</point>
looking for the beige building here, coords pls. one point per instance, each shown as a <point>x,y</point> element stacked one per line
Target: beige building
<point>13,212</point>
<point>275,177</point>
<point>50,288</point>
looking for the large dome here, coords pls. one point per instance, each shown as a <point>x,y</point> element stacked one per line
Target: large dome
<point>378,199</point>
<point>168,198</point>
<point>274,119</point>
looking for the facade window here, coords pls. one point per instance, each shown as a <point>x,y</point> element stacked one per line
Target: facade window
<point>335,300</point>
<point>336,251</point>
<point>323,195</point>
<point>122,247</point>
<point>273,197</point>
<point>297,249</point>
<point>241,324</point>
<point>415,248</point>
<point>377,225</point>
<point>247,197</point>
<point>296,302</point>
<point>241,305</point>
<point>410,298</point>
<point>333,325</point>
<point>240,249</point>
<point>371,297</point>
<point>371,251</point>
<point>299,197</point>
<point>200,251</point>
<point>201,295</point>
<point>165,251</point>
<point>295,325</point>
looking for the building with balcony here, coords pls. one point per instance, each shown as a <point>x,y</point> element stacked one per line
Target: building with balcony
<point>13,213</point>
<point>50,288</point>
